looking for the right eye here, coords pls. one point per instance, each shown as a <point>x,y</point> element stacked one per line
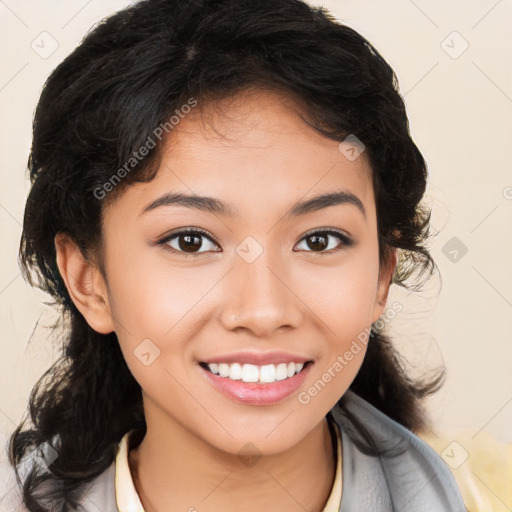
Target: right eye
<point>187,242</point>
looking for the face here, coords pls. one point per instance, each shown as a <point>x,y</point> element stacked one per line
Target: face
<point>256,282</point>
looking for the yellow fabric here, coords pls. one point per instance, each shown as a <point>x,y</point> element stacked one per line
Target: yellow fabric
<point>481,465</point>
<point>334,501</point>
<point>128,500</point>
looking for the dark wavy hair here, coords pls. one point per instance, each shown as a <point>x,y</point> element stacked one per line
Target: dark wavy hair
<point>130,73</point>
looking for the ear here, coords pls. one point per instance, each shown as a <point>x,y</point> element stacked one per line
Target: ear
<point>385,277</point>
<point>85,284</point>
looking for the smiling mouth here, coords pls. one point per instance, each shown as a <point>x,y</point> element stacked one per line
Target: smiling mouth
<point>264,374</point>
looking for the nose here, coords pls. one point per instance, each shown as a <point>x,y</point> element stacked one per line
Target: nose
<point>260,297</point>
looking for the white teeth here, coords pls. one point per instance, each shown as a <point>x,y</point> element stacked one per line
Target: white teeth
<point>254,373</point>
<point>281,371</point>
<point>235,371</point>
<point>250,373</point>
<point>268,373</point>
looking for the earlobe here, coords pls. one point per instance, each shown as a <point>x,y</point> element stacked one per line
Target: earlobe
<point>85,284</point>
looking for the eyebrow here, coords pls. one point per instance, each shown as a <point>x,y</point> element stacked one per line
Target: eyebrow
<point>216,206</point>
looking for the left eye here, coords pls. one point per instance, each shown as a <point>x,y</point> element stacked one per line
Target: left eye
<point>190,241</point>
<point>319,241</point>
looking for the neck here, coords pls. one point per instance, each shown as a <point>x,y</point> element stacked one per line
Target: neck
<point>180,472</point>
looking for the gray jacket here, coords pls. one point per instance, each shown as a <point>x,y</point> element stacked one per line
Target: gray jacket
<point>386,468</point>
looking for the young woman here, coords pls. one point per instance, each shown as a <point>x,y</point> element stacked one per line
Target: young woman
<point>222,194</point>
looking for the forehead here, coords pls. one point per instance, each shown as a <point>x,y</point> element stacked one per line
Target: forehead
<point>254,152</point>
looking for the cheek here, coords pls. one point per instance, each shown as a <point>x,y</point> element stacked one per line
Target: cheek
<point>344,303</point>
<point>158,305</point>
<point>150,294</point>
<point>342,295</point>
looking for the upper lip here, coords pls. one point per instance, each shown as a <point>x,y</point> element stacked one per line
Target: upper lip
<point>258,358</point>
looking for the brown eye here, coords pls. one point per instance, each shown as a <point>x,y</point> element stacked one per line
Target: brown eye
<point>188,242</point>
<point>323,241</point>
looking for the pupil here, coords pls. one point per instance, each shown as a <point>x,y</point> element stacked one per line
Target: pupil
<point>188,245</point>
<point>315,239</point>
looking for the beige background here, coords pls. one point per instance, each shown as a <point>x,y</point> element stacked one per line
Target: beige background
<point>460,104</point>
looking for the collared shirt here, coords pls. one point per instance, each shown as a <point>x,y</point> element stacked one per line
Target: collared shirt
<point>128,500</point>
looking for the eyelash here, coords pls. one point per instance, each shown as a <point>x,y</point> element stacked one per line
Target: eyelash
<point>345,240</point>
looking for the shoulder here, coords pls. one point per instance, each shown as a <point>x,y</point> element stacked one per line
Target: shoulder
<point>382,457</point>
<point>98,494</point>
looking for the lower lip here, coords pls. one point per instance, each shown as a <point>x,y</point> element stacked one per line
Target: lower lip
<point>254,393</point>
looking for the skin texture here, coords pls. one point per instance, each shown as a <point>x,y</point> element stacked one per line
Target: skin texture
<point>255,153</point>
